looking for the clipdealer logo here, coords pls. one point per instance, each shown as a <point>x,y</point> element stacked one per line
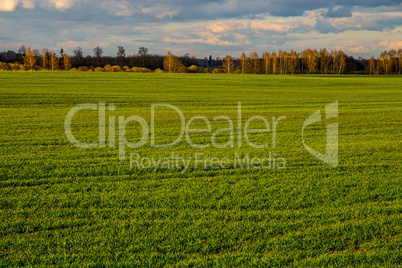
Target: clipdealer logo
<point>238,134</point>
<point>330,156</point>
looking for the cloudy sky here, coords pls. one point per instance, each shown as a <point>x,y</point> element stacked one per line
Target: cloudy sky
<point>202,28</point>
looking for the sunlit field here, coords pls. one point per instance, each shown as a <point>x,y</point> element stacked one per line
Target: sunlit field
<point>61,205</point>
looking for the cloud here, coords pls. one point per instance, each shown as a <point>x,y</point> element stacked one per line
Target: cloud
<point>367,21</point>
<point>168,14</point>
<point>11,5</point>
<point>119,8</point>
<point>241,26</point>
<point>71,45</point>
<point>8,5</point>
<point>61,5</point>
<point>190,10</point>
<point>339,12</point>
<point>202,27</point>
<point>28,4</point>
<point>211,41</point>
<point>392,44</point>
<point>336,8</point>
<point>161,11</point>
<point>371,47</point>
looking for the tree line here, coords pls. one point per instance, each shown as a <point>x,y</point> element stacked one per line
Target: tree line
<point>311,61</point>
<point>308,61</point>
<point>32,59</point>
<point>389,62</point>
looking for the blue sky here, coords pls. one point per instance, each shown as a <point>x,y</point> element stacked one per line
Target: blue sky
<point>202,28</point>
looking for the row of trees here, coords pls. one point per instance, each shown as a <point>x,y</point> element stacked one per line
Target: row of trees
<point>283,62</point>
<point>308,61</point>
<point>141,59</point>
<point>388,62</point>
<point>49,60</point>
<point>312,61</point>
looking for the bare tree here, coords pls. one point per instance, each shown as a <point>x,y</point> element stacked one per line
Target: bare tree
<point>255,62</point>
<point>228,64</point>
<point>342,62</point>
<point>169,63</point>
<point>371,65</point>
<point>172,64</point>
<point>324,61</point>
<point>284,58</point>
<point>54,61</point>
<point>391,60</point>
<point>66,62</point>
<point>186,58</point>
<point>243,63</point>
<point>98,51</point>
<point>294,61</point>
<point>274,62</point>
<point>121,54</point>
<point>30,58</point>
<point>45,60</point>
<point>309,58</point>
<point>22,50</point>
<point>143,55</point>
<point>78,54</point>
<point>266,59</point>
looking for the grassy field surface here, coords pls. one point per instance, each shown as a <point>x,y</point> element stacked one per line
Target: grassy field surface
<point>61,205</point>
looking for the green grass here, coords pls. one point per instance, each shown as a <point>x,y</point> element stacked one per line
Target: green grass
<point>65,206</point>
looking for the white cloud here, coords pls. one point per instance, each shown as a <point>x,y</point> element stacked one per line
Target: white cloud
<point>359,49</point>
<point>11,5</point>
<point>8,5</point>
<point>231,26</point>
<point>392,44</point>
<point>61,5</point>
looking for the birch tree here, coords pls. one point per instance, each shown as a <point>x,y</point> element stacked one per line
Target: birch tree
<point>371,65</point>
<point>324,61</point>
<point>342,62</point>
<point>243,63</point>
<point>228,64</point>
<point>66,62</point>
<point>30,59</point>
<point>44,59</point>
<point>255,62</point>
<point>54,61</point>
<point>274,62</point>
<point>172,64</point>
<point>294,61</point>
<point>266,60</point>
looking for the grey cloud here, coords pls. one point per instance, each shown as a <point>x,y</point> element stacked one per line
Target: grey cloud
<point>339,12</point>
<point>133,23</point>
<point>179,10</point>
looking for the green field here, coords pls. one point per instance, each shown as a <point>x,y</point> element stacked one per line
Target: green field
<point>61,205</point>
